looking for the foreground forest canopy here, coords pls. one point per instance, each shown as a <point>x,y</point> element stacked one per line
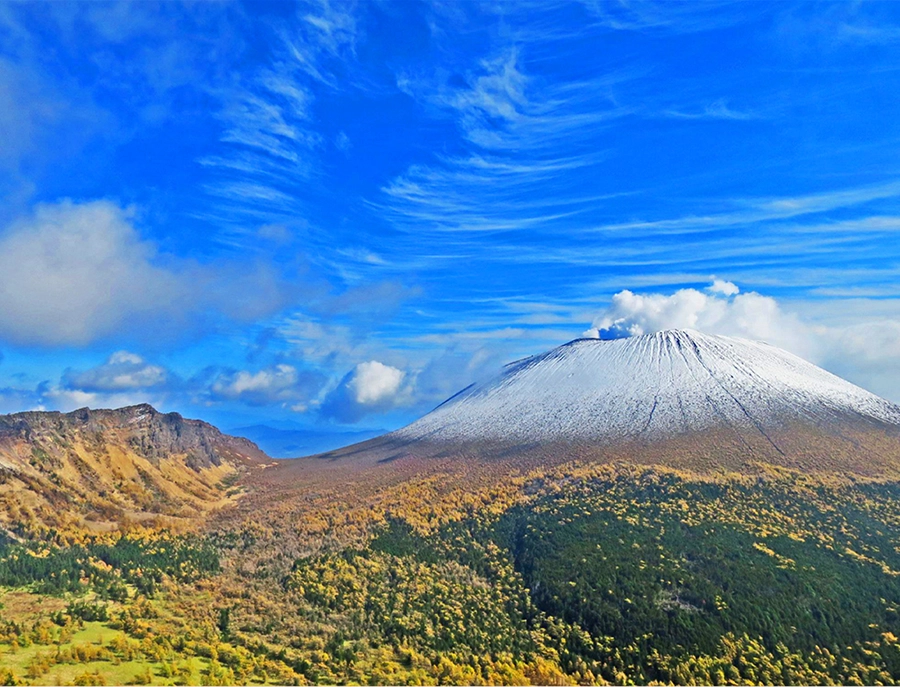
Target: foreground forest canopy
<point>458,572</point>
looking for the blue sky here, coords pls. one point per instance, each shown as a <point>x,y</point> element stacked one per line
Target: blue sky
<point>334,215</point>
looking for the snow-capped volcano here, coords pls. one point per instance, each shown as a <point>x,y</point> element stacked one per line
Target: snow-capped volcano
<point>652,386</point>
<point>677,398</point>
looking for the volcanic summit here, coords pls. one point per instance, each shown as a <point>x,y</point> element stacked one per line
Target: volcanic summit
<point>675,396</point>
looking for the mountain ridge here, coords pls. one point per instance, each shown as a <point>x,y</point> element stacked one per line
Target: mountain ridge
<point>105,468</point>
<point>168,432</point>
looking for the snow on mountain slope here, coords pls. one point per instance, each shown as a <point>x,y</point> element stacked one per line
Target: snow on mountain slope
<point>653,386</point>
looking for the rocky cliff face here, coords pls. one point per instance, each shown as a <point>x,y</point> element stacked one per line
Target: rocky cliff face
<point>151,434</point>
<point>96,469</point>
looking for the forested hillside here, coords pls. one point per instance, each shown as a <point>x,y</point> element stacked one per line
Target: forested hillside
<point>457,572</point>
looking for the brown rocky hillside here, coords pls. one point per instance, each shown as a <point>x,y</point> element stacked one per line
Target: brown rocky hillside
<point>98,470</point>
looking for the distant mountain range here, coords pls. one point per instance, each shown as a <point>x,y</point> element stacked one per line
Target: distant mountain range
<point>293,443</point>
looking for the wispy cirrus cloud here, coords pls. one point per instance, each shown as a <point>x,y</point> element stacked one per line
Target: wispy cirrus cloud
<point>799,242</point>
<point>523,135</point>
<point>327,31</point>
<point>539,160</point>
<point>271,136</point>
<point>682,18</point>
<point>718,109</point>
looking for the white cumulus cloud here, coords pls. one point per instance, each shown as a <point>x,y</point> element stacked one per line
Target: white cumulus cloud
<point>749,315</point>
<point>725,288</point>
<point>371,387</point>
<point>122,371</point>
<point>67,400</point>
<point>374,382</point>
<point>72,273</point>
<point>866,353</point>
<point>283,384</point>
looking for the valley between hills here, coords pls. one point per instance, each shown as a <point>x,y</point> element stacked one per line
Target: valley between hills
<point>143,548</point>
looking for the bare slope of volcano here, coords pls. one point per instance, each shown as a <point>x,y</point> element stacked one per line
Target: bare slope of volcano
<point>676,397</point>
